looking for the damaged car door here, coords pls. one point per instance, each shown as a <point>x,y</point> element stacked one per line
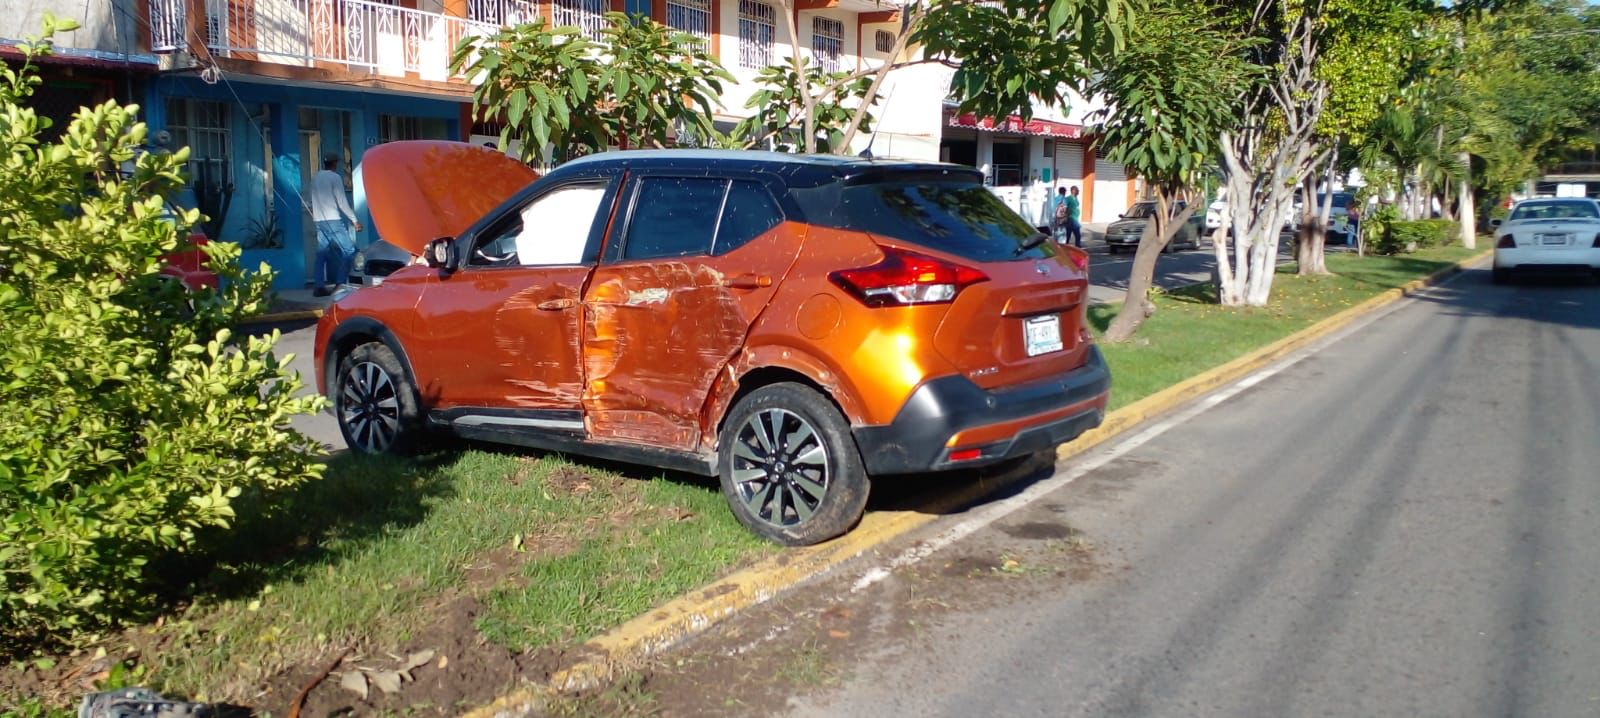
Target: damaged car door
<point>687,269</point>
<point>501,334</point>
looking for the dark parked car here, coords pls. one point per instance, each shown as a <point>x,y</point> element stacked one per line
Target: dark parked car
<point>1125,233</point>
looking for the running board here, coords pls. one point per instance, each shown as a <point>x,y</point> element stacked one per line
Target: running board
<point>546,440</point>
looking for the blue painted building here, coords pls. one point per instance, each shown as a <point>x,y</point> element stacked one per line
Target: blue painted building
<point>255,144</point>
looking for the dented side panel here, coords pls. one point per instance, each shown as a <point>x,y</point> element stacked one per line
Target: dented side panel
<point>657,333</point>
<point>869,360</point>
<point>502,337</point>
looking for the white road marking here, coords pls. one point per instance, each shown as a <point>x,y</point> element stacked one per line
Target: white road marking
<point>989,513</point>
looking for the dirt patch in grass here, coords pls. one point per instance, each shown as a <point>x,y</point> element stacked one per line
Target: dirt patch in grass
<point>448,558</point>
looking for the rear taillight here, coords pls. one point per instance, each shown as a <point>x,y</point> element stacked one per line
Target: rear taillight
<point>1506,242</point>
<point>906,278</point>
<point>1596,244</point>
<point>1078,258</point>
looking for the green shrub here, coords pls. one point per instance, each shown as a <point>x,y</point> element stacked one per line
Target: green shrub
<point>131,415</point>
<point>1390,235</point>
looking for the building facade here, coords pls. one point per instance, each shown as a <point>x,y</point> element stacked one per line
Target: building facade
<point>262,90</point>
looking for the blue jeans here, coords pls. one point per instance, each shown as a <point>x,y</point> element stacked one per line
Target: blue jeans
<point>1073,232</point>
<point>336,252</point>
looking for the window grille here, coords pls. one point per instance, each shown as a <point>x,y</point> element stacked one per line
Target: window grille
<point>757,29</point>
<point>690,16</point>
<point>827,42</point>
<point>885,41</point>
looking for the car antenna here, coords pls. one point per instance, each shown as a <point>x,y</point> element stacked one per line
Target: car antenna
<point>866,152</point>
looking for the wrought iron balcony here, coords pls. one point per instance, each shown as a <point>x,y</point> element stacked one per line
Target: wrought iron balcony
<point>365,35</point>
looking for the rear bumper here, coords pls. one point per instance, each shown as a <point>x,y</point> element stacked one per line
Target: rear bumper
<point>951,414</point>
<point>1553,259</point>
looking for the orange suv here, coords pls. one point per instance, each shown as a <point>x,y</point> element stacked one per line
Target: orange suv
<point>790,324</point>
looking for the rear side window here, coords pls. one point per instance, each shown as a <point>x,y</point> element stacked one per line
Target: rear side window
<point>958,217</point>
<point>673,217</point>
<point>749,212</point>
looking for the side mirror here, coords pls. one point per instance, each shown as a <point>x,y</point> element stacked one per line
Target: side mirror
<point>1494,223</point>
<point>1121,216</point>
<point>442,254</point>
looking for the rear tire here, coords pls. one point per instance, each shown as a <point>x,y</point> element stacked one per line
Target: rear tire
<point>1500,276</point>
<point>375,404</point>
<point>789,466</point>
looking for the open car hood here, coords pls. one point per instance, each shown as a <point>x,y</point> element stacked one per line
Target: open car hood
<point>420,190</point>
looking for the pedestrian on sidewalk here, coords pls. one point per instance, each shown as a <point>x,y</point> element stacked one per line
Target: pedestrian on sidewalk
<point>1055,214</point>
<point>1074,228</point>
<point>336,249</point>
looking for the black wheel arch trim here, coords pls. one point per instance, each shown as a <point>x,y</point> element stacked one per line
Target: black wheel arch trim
<point>377,331</point>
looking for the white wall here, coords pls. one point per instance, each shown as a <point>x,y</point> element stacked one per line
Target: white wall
<point>107,25</point>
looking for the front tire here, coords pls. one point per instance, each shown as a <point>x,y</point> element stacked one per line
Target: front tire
<point>789,466</point>
<point>375,404</point>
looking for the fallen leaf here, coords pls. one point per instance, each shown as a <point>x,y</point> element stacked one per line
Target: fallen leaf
<point>443,661</point>
<point>836,633</point>
<point>355,682</point>
<point>418,659</point>
<point>386,681</point>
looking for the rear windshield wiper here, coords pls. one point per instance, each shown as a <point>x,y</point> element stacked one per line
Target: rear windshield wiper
<point>1029,243</point>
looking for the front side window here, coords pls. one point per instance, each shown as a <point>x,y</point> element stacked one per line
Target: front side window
<point>552,230</point>
<point>673,217</point>
<point>1141,210</point>
<point>690,16</point>
<point>757,28</point>
<point>827,42</point>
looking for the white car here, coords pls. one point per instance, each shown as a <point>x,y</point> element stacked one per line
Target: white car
<point>1550,235</point>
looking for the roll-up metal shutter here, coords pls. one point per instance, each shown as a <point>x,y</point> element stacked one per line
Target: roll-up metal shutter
<point>1069,160</point>
<point>1108,171</point>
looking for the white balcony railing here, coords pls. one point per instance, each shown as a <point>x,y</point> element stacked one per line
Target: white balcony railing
<point>361,34</point>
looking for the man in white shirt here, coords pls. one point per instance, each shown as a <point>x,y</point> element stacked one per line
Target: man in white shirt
<point>336,250</point>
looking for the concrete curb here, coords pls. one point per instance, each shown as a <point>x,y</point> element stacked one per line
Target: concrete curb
<point>279,317</point>
<point>628,645</point>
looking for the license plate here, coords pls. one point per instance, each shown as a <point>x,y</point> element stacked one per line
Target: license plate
<point>1552,239</point>
<point>1043,334</point>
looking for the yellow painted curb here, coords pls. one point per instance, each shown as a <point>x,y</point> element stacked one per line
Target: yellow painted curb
<point>630,644</point>
<point>276,317</point>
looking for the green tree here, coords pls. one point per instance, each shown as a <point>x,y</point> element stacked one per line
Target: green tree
<point>132,415</point>
<point>1006,54</point>
<point>555,88</point>
<point>1369,44</point>
<point>1170,95</point>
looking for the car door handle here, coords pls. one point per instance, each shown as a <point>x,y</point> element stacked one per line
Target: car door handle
<point>554,305</point>
<point>747,281</point>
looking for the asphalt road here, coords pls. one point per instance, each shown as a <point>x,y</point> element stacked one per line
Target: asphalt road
<point>1406,522</point>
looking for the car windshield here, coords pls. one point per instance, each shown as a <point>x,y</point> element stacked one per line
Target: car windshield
<point>1141,210</point>
<point>1574,209</point>
<point>1341,201</point>
<point>959,217</point>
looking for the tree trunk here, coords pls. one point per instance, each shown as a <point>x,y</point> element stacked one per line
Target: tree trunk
<point>1311,249</point>
<point>1468,214</point>
<point>1137,307</point>
<point>808,104</point>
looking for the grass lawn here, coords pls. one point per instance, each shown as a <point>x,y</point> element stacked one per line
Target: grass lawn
<point>491,559</point>
<point>1190,333</point>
